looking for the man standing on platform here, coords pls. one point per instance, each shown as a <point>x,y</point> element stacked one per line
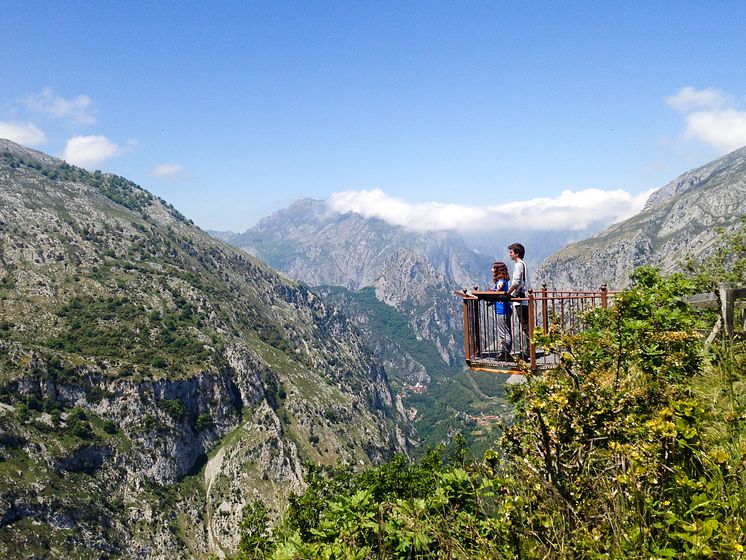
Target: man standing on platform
<point>519,287</point>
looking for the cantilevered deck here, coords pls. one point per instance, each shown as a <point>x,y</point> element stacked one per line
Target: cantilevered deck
<point>485,350</point>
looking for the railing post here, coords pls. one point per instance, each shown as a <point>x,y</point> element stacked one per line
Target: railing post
<point>476,328</point>
<point>467,331</point>
<point>604,296</point>
<point>531,347</point>
<point>544,308</point>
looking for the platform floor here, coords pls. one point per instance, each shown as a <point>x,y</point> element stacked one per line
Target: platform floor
<point>490,361</point>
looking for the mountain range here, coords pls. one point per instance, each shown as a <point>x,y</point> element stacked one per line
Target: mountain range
<point>680,221</point>
<point>154,380</point>
<point>413,273</point>
<point>396,286</point>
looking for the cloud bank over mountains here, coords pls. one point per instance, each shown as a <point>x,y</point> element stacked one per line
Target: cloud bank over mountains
<point>571,210</point>
<point>711,117</point>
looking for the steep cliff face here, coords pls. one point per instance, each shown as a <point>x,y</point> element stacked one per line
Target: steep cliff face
<point>679,220</point>
<point>414,273</point>
<point>153,380</point>
<point>410,283</point>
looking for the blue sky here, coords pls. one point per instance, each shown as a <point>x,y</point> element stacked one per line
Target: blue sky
<point>429,114</point>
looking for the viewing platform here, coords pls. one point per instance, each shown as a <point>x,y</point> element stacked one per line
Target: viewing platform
<point>486,350</point>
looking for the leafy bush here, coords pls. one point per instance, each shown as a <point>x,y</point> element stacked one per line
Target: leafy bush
<point>256,539</point>
<point>81,429</point>
<point>175,408</point>
<point>110,427</point>
<point>203,422</point>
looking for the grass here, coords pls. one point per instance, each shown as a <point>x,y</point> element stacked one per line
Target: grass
<point>721,384</point>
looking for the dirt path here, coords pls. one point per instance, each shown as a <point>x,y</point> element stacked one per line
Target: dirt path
<point>211,471</point>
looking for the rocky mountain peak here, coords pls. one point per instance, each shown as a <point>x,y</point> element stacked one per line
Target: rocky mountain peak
<point>680,220</point>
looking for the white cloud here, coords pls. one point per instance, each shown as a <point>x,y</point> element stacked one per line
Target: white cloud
<point>27,134</point>
<point>725,130</point>
<point>569,211</point>
<point>79,110</point>
<point>89,151</point>
<point>168,171</point>
<point>710,118</point>
<point>689,98</point>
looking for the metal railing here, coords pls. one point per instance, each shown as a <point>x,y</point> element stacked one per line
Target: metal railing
<point>500,342</point>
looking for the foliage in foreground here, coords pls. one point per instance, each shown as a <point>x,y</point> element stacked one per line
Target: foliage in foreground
<point>632,448</point>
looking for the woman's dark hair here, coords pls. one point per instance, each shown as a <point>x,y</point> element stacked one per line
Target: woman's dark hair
<point>518,249</point>
<point>500,271</point>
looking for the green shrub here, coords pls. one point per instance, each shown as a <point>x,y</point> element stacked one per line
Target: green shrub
<point>175,408</point>
<point>150,423</point>
<point>81,429</point>
<point>203,422</point>
<point>256,540</point>
<point>110,427</point>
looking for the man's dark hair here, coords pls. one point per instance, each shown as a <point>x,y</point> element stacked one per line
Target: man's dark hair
<point>518,249</point>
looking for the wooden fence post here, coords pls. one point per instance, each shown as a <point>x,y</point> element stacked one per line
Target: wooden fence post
<point>727,307</point>
<point>726,299</point>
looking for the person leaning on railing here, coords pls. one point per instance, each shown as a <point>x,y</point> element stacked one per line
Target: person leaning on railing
<point>503,310</point>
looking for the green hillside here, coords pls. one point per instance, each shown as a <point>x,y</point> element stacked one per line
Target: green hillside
<point>153,378</point>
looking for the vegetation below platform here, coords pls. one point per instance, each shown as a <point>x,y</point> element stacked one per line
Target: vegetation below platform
<point>453,406</point>
<point>632,448</point>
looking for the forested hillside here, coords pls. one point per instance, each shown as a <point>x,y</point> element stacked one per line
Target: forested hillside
<point>153,379</point>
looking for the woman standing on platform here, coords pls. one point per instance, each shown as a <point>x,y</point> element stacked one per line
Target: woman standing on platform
<point>503,310</point>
